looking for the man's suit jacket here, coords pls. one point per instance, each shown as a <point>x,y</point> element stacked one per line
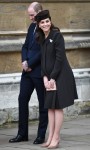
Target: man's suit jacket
<point>31,52</point>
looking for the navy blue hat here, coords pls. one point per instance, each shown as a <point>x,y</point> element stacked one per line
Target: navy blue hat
<point>42,15</point>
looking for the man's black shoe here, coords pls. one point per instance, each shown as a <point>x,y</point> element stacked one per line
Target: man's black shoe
<point>18,138</point>
<point>39,140</point>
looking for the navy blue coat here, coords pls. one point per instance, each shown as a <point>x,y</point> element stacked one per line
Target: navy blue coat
<point>31,52</point>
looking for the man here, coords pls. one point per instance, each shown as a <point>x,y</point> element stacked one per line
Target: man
<point>31,79</point>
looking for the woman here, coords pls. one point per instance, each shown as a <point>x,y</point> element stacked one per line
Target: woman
<point>57,75</point>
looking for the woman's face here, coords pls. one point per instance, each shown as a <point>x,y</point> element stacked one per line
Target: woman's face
<point>45,25</point>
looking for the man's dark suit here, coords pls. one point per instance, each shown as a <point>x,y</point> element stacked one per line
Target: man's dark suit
<point>30,81</point>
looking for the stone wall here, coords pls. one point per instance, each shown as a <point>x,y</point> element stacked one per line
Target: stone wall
<point>68,15</point>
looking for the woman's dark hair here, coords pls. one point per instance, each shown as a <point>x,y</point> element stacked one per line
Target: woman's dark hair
<point>40,35</point>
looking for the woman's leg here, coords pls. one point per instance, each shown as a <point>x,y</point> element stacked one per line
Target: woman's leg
<point>58,124</point>
<point>51,118</point>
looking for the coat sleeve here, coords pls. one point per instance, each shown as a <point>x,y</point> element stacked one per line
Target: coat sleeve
<point>25,47</point>
<point>35,60</point>
<point>59,47</point>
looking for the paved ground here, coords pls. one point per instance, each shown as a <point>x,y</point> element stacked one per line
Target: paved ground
<point>75,135</point>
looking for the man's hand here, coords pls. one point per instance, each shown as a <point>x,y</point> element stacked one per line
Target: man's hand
<point>25,65</point>
<point>28,70</point>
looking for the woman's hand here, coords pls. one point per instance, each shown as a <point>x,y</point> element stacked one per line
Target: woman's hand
<point>49,84</point>
<point>46,82</point>
<point>52,83</point>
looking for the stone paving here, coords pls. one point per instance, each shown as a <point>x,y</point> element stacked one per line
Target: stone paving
<point>75,135</point>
